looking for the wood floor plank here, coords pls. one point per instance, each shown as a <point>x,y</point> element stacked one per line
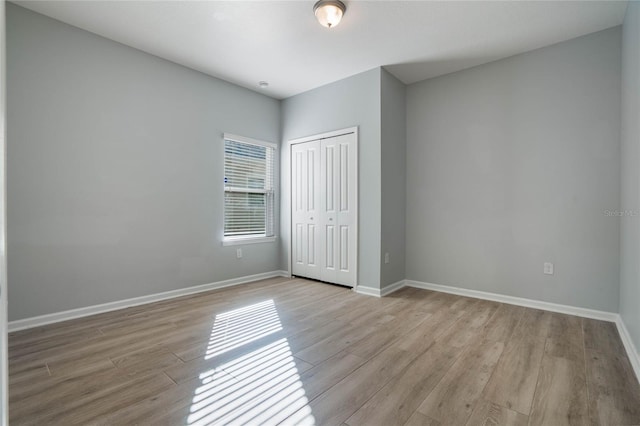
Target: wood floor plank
<point>268,389</point>
<point>154,358</point>
<point>561,393</point>
<point>318,379</point>
<point>565,338</point>
<point>534,324</point>
<point>419,419</point>
<point>461,304</point>
<point>62,329</point>
<point>339,402</point>
<point>102,345</point>
<point>614,393</point>
<point>454,398</point>
<point>439,322</point>
<point>469,327</point>
<point>334,406</point>
<point>220,357</point>
<point>488,413</point>
<point>80,366</point>
<point>55,399</point>
<point>52,342</point>
<point>84,410</point>
<point>32,372</point>
<point>45,390</point>
<point>388,334</point>
<point>187,371</point>
<point>174,403</point>
<point>501,325</point>
<point>340,304</point>
<point>367,330</point>
<point>602,336</point>
<point>293,322</point>
<point>513,383</point>
<point>103,320</point>
<point>402,395</point>
<point>306,338</point>
<point>342,339</point>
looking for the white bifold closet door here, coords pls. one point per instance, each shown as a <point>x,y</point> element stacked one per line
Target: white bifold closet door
<point>324,209</point>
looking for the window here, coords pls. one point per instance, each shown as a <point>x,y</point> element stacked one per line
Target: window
<point>249,196</point>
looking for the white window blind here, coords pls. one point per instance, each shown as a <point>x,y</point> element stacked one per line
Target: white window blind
<point>249,197</point>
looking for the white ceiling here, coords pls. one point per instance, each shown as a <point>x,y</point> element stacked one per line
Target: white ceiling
<point>281,42</point>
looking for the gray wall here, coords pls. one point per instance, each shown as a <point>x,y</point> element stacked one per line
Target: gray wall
<point>116,192</point>
<point>513,163</point>
<point>115,170</point>
<point>393,172</point>
<point>4,363</point>
<point>630,223</point>
<point>354,101</point>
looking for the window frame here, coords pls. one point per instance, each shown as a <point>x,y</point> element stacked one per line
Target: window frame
<point>269,212</point>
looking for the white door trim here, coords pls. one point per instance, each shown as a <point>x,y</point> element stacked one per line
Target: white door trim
<point>289,211</point>
<point>326,135</point>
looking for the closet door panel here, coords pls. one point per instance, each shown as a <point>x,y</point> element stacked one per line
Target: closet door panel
<point>328,178</point>
<point>324,209</point>
<point>346,211</point>
<point>305,200</point>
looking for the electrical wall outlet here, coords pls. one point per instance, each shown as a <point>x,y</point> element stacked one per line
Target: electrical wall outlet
<point>548,268</point>
<point>386,258</point>
<point>239,253</point>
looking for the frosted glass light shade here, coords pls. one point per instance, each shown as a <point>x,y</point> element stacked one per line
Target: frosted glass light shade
<point>329,12</point>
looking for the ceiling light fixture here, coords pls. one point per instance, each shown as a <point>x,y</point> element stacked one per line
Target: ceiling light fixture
<point>263,84</point>
<point>329,12</point>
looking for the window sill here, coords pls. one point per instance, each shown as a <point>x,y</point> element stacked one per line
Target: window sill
<point>247,240</point>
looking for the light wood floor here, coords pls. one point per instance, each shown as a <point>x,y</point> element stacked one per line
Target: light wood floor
<point>301,352</point>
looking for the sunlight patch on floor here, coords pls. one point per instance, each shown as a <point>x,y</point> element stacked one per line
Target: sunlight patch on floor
<point>261,387</point>
<point>238,327</point>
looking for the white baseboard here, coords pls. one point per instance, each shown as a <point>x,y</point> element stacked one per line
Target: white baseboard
<point>368,291</point>
<point>627,341</point>
<point>23,324</point>
<point>385,291</point>
<point>520,301</point>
